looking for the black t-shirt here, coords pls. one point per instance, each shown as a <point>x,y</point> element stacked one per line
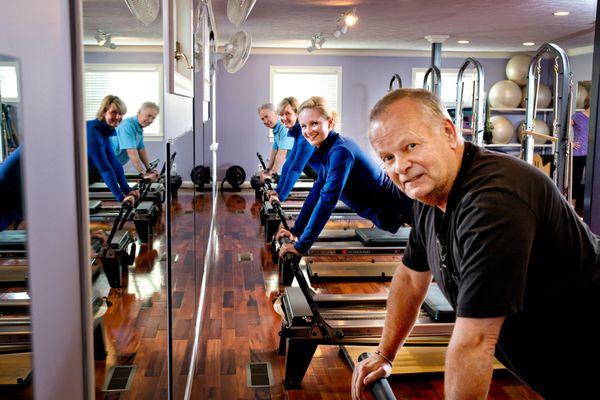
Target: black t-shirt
<point>509,244</point>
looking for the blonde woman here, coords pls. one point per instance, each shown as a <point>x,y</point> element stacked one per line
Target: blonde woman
<point>102,162</point>
<point>300,156</point>
<point>346,173</point>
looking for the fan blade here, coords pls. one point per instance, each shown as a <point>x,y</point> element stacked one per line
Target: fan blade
<point>238,10</point>
<point>239,47</point>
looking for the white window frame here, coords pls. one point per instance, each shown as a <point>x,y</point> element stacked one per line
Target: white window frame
<point>317,70</point>
<point>15,65</point>
<point>138,67</point>
<point>467,74</point>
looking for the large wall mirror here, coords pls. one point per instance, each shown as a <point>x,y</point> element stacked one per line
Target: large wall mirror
<point>15,319</point>
<point>125,128</point>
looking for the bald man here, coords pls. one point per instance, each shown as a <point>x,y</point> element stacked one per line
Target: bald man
<point>282,143</point>
<point>509,252</point>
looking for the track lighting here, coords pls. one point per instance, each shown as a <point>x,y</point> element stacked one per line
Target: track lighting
<point>104,39</point>
<point>350,18</point>
<point>316,42</point>
<point>345,21</point>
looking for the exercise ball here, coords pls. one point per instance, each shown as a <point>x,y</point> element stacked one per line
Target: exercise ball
<point>502,129</point>
<point>505,94</point>
<point>544,96</point>
<point>517,69</point>
<point>538,126</point>
<point>582,94</point>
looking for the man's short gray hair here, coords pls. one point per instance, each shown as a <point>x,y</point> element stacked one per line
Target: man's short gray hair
<point>266,106</point>
<point>150,104</point>
<point>425,98</point>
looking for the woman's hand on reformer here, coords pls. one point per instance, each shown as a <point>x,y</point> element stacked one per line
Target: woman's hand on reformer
<point>288,248</point>
<point>273,197</point>
<point>284,233</point>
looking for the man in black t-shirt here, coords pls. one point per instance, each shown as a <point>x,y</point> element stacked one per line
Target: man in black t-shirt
<point>508,251</point>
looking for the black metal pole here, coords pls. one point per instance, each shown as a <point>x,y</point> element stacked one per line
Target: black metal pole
<point>591,198</point>
<point>169,279</point>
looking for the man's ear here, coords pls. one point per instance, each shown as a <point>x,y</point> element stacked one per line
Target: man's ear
<point>450,133</point>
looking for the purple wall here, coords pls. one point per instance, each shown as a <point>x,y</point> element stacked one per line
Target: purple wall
<point>581,66</point>
<point>364,81</point>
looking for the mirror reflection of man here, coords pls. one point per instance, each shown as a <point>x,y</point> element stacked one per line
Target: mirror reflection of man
<point>128,143</point>
<point>282,143</point>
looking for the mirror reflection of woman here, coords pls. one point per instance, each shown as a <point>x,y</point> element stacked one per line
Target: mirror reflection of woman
<point>102,162</point>
<point>346,173</point>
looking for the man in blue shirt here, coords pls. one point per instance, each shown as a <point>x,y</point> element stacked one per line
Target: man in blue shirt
<point>282,143</point>
<point>128,143</point>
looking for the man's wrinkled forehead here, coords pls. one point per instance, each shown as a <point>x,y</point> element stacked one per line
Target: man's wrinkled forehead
<point>407,115</point>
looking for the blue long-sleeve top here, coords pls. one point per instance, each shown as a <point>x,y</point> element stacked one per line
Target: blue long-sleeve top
<point>102,157</point>
<point>348,174</point>
<point>11,208</point>
<point>297,159</point>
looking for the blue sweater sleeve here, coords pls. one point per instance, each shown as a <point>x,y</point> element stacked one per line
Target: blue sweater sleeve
<point>118,169</point>
<point>340,165</point>
<point>308,206</point>
<point>303,153</point>
<point>98,155</point>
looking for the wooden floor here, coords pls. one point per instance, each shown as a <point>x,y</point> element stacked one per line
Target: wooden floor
<point>240,325</point>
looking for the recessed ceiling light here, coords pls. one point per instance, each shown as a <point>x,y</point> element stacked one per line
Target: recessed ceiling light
<point>561,13</point>
<point>528,44</point>
<point>464,42</point>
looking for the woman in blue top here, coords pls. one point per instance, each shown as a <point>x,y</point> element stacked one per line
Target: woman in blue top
<point>102,162</point>
<point>348,174</point>
<point>301,152</point>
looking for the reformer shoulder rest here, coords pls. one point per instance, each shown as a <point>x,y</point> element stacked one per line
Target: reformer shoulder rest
<point>436,305</point>
<point>375,237</point>
<point>95,205</point>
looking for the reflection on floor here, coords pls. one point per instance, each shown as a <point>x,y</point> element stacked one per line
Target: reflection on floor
<point>241,326</point>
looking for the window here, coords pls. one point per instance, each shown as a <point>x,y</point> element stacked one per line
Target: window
<point>9,81</point>
<point>449,77</point>
<point>134,84</point>
<point>304,82</point>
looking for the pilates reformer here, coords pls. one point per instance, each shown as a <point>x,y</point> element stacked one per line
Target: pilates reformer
<point>144,216</point>
<point>362,241</point>
<point>312,320</point>
<point>258,186</point>
<point>155,193</point>
<point>270,220</point>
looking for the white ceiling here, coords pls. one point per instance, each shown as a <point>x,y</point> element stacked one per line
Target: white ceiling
<point>490,25</point>
<point>113,16</point>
